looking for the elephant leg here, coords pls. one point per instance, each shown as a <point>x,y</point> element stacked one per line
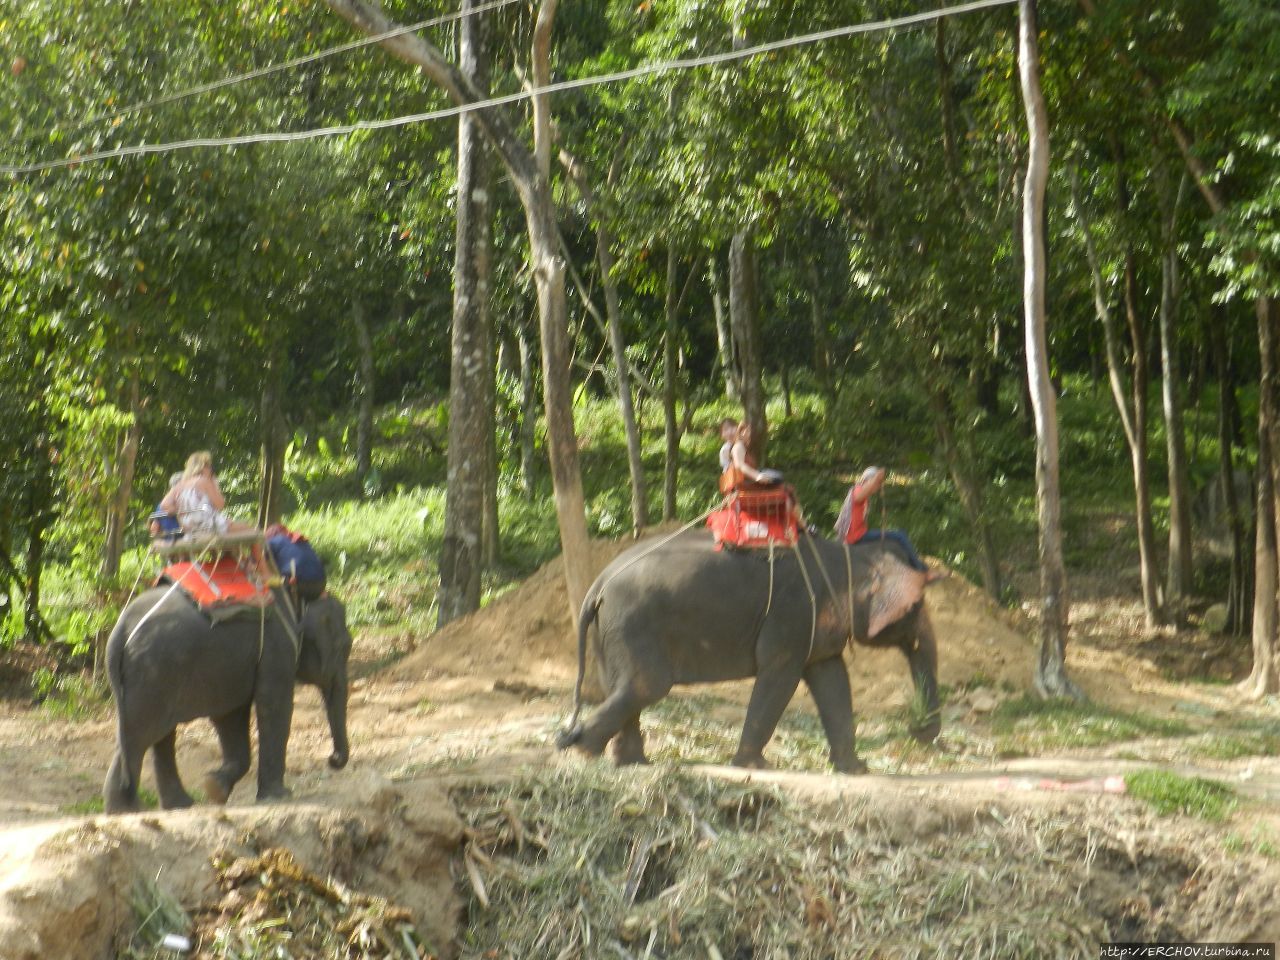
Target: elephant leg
<point>164,761</point>
<point>233,735</point>
<point>120,790</point>
<point>274,710</point>
<point>772,692</point>
<point>628,745</point>
<point>619,713</point>
<point>828,681</point>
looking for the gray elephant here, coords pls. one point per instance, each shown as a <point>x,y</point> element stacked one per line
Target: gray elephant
<point>168,665</point>
<point>679,611</point>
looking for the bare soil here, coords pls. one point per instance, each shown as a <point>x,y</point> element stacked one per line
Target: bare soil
<point>481,700</point>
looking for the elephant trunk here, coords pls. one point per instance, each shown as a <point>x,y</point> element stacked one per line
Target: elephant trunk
<point>924,670</point>
<point>335,703</point>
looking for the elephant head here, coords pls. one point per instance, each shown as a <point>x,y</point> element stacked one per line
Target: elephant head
<point>322,662</point>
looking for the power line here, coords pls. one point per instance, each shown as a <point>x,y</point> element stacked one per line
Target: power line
<point>651,69</point>
<point>286,65</point>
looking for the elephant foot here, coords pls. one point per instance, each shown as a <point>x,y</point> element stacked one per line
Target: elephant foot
<point>338,760</point>
<point>754,761</point>
<point>177,801</point>
<point>216,790</point>
<point>274,794</point>
<point>851,768</point>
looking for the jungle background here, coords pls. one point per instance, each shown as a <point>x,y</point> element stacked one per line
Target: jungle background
<point>826,239</point>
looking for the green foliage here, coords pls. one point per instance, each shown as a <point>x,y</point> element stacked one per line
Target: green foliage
<point>1028,723</point>
<point>1170,793</point>
<point>69,696</point>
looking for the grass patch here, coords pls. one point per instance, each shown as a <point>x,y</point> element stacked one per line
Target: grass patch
<point>1170,793</point>
<point>70,696</point>
<point>1030,724</point>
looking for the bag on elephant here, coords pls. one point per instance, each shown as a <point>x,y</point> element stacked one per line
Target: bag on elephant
<point>297,562</point>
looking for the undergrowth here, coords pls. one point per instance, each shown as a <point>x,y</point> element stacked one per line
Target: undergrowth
<point>660,863</point>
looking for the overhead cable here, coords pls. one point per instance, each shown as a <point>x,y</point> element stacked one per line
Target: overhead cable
<point>644,70</point>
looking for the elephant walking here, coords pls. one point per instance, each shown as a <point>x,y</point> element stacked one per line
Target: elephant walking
<point>681,612</point>
<point>168,665</point>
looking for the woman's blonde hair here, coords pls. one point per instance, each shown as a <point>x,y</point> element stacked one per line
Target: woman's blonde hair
<point>198,463</point>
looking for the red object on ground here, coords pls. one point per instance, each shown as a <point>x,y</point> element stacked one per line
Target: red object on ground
<point>217,583</point>
<point>756,519</point>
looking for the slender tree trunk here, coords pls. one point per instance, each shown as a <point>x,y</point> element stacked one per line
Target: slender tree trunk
<point>1239,587</point>
<point>274,440</point>
<point>821,336</point>
<point>1051,671</point>
<point>671,429</point>
<point>745,322</point>
<point>1131,408</point>
<point>1152,591</point>
<point>724,335</point>
<point>39,519</point>
<point>462,547</point>
<point>364,394</point>
<point>530,172</point>
<point>1265,677</point>
<point>528,408</point>
<point>122,473</point>
<point>958,452</point>
<point>491,544</point>
<point>1180,544</point>
<point>617,336</point>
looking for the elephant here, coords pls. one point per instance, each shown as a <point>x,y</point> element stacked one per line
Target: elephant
<point>168,664</point>
<point>679,610</point>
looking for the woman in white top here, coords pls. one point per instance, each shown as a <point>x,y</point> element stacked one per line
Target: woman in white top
<point>197,500</point>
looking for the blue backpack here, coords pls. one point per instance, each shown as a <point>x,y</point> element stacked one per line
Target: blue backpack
<point>298,562</point>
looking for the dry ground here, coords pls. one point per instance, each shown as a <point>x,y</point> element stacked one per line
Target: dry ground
<point>481,701</point>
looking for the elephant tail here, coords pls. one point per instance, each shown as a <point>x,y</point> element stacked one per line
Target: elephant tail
<point>590,609</point>
<point>115,675</point>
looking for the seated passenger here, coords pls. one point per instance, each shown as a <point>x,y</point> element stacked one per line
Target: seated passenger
<point>736,469</point>
<point>164,525</point>
<point>197,500</point>
<point>851,525</point>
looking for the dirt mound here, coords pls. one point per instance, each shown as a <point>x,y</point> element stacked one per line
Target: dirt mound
<point>68,887</point>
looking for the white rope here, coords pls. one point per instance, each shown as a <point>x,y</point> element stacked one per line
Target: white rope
<point>660,543</point>
<point>645,70</point>
<point>268,70</point>
<point>813,604</point>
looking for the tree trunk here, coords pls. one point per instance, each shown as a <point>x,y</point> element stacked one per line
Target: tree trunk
<point>745,323</point>
<point>530,173</point>
<point>462,547</point>
<point>364,394</point>
<point>1180,544</point>
<point>1239,586</point>
<point>1131,408</point>
<point>1051,672</point>
<point>821,335</point>
<point>1152,591</point>
<point>1265,677</point>
<point>274,440</point>
<point>528,408</point>
<point>122,472</point>
<point>671,429</point>
<point>960,464</point>
<point>39,519</point>
<point>724,335</point>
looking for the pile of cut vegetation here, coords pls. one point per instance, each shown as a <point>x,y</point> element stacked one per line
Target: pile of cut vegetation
<point>593,862</point>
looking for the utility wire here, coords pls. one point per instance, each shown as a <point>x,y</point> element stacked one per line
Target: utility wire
<point>276,68</point>
<point>650,69</point>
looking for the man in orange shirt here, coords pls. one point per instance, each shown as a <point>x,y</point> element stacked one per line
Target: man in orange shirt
<point>851,525</point>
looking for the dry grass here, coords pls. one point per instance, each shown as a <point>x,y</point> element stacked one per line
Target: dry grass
<point>597,863</point>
